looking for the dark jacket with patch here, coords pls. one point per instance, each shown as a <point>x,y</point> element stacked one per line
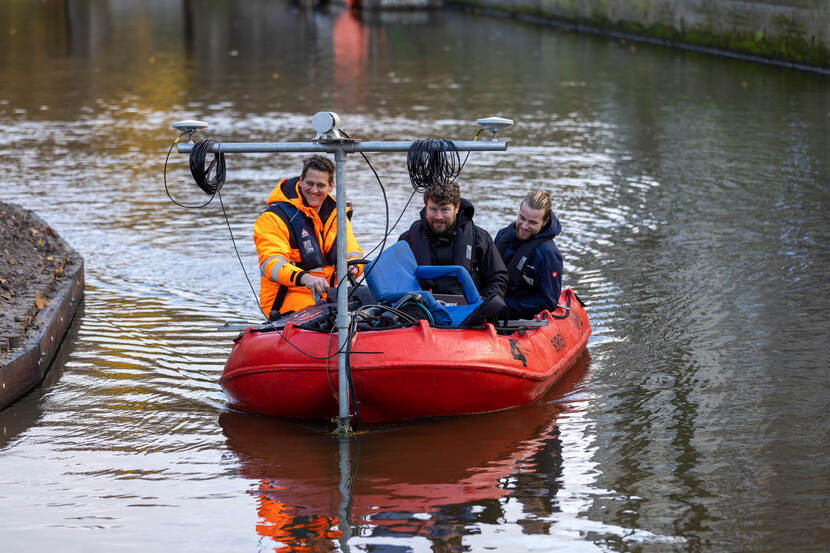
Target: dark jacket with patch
<point>467,245</point>
<point>534,267</point>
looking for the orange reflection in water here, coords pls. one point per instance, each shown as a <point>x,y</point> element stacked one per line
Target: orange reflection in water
<point>399,476</point>
<point>349,39</point>
<point>301,534</point>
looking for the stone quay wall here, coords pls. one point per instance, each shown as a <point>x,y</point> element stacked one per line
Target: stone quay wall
<point>792,32</point>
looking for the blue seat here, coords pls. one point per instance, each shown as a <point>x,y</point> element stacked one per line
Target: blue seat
<point>395,273</point>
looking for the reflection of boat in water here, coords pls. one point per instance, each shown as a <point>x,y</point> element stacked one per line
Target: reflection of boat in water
<point>403,477</point>
<point>406,372</point>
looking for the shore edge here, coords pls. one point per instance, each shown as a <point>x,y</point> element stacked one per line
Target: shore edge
<point>30,362</point>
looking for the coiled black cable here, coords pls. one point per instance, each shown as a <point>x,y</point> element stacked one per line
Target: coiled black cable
<point>167,188</point>
<point>432,162</point>
<point>201,175</point>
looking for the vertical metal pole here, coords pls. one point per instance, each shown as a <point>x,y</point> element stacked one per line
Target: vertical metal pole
<point>342,321</point>
<point>343,514</point>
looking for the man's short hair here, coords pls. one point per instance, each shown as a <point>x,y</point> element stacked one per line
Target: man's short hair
<point>319,163</point>
<point>539,199</point>
<point>443,193</point>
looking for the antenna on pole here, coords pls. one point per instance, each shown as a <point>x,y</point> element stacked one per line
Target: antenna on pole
<point>494,124</point>
<point>190,126</point>
<point>325,123</point>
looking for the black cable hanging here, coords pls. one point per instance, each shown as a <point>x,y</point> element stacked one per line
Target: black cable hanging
<point>432,162</point>
<point>201,174</point>
<point>167,188</point>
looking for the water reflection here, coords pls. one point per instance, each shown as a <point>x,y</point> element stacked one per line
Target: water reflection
<point>693,195</point>
<point>403,484</point>
<point>27,410</point>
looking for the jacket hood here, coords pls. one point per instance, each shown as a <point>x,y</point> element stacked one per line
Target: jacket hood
<point>549,231</point>
<point>465,213</point>
<point>553,228</point>
<point>288,190</point>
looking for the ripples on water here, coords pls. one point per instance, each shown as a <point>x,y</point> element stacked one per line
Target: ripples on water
<point>693,196</point>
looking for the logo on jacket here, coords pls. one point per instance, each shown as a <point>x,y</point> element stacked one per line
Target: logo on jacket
<point>307,246</point>
<point>469,251</point>
<point>521,262</point>
<point>554,274</point>
<point>304,234</point>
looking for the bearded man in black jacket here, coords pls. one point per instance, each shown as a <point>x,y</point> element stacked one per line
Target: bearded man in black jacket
<point>446,235</point>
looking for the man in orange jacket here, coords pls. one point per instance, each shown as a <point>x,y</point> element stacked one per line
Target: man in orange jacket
<point>295,239</point>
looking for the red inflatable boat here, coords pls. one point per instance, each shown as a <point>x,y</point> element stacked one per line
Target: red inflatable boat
<point>419,370</point>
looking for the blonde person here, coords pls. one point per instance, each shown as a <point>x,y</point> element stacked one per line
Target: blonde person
<point>534,264</point>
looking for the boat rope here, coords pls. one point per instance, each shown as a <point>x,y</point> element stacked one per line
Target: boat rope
<point>566,307</point>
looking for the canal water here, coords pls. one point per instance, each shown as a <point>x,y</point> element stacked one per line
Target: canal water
<point>693,193</point>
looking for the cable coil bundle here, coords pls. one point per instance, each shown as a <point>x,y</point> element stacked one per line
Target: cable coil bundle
<point>432,162</point>
<point>201,174</point>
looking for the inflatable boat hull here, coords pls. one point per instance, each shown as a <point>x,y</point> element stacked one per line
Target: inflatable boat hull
<point>405,373</point>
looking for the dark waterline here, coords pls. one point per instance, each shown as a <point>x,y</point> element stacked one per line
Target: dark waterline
<point>693,192</point>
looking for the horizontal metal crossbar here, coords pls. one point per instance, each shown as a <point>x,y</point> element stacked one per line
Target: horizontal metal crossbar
<point>345,146</point>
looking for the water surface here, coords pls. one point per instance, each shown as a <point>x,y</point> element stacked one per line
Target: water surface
<point>693,192</point>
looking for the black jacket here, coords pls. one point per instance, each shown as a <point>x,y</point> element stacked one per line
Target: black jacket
<point>482,258</point>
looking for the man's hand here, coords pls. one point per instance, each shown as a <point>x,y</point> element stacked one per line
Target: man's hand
<point>316,284</point>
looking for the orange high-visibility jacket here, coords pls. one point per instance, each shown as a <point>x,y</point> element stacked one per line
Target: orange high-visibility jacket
<point>285,257</point>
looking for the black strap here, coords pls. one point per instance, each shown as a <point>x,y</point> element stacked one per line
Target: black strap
<point>466,239</point>
<point>282,291</point>
<point>519,261</point>
<point>419,241</point>
<point>300,235</point>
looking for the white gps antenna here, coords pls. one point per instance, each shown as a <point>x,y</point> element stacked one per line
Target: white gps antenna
<point>190,126</point>
<point>494,124</point>
<point>325,123</point>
